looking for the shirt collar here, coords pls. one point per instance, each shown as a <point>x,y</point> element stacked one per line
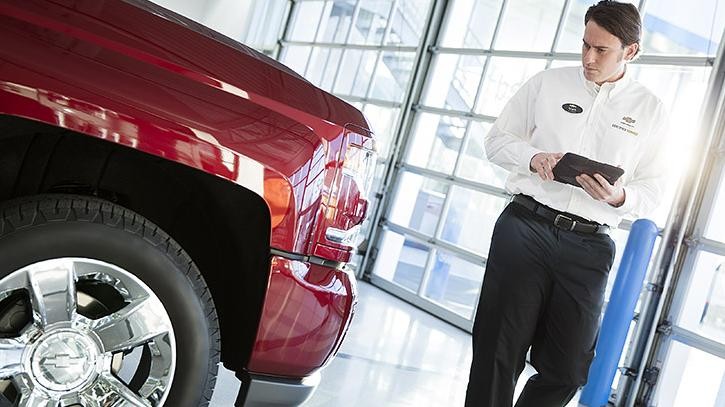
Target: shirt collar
<point>613,87</point>
<point>590,86</point>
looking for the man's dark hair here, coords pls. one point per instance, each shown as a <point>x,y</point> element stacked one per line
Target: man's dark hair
<point>621,20</point>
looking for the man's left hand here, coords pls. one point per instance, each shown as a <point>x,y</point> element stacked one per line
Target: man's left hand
<point>600,189</point>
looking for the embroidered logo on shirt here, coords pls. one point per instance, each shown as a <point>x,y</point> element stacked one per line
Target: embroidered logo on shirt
<point>620,127</point>
<point>572,108</point>
<point>626,125</point>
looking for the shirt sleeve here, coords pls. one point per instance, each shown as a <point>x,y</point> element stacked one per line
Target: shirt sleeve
<point>644,190</point>
<point>507,143</point>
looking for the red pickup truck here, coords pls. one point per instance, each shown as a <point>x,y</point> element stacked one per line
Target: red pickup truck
<point>169,199</point>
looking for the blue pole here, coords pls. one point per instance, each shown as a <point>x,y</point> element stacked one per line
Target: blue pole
<point>619,313</point>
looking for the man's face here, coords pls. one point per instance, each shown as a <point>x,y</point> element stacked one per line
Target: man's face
<point>603,57</point>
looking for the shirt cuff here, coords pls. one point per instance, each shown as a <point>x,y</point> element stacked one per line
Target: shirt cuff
<point>525,159</point>
<point>630,202</point>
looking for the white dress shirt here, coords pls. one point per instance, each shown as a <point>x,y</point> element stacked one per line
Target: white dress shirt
<point>621,123</point>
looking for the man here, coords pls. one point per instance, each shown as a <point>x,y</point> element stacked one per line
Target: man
<point>550,252</point>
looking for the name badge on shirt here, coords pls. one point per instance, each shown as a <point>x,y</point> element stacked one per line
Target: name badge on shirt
<point>572,108</point>
<point>626,125</point>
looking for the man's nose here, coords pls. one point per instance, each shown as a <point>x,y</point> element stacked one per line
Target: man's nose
<point>589,56</point>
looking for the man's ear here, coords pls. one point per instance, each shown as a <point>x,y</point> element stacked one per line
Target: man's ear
<point>630,51</point>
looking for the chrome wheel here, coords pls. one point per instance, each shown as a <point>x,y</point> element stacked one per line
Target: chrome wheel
<point>77,331</point>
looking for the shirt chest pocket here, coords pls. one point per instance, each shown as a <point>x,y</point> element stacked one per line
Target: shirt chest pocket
<point>559,129</point>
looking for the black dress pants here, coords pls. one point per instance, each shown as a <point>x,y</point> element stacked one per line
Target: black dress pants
<point>543,289</point>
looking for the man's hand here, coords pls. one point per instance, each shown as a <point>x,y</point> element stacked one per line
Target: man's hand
<point>542,163</point>
<point>600,189</point>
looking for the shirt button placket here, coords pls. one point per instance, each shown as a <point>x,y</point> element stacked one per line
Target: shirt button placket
<point>589,129</point>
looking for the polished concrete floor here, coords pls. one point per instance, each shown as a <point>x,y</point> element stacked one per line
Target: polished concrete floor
<point>394,355</point>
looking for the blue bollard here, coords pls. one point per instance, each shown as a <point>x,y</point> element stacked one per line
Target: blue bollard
<point>619,313</point>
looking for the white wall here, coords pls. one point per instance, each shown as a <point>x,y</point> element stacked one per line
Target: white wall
<point>193,9</point>
<point>230,17</point>
<point>256,23</point>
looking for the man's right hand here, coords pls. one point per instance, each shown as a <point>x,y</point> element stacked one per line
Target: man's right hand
<point>543,163</point>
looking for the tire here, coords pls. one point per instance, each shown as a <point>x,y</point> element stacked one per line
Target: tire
<point>144,324</point>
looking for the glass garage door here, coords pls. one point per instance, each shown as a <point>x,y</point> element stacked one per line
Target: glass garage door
<point>444,197</point>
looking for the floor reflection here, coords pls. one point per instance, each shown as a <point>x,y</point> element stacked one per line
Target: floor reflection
<point>394,355</point>
<point>398,355</point>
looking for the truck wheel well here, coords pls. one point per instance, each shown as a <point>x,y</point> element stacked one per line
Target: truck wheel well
<point>223,226</point>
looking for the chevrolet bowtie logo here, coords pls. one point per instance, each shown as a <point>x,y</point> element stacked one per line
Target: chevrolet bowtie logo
<point>63,361</point>
<point>628,120</point>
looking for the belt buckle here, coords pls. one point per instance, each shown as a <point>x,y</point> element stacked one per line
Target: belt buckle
<point>566,218</point>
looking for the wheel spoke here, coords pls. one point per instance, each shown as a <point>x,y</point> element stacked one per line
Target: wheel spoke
<point>161,371</point>
<point>72,399</point>
<point>52,291</point>
<point>36,399</point>
<point>15,281</point>
<point>135,324</point>
<point>108,391</point>
<point>11,355</point>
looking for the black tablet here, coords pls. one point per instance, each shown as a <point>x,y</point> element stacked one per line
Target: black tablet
<point>571,165</point>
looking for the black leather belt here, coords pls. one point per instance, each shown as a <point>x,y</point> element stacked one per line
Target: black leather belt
<point>562,220</point>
